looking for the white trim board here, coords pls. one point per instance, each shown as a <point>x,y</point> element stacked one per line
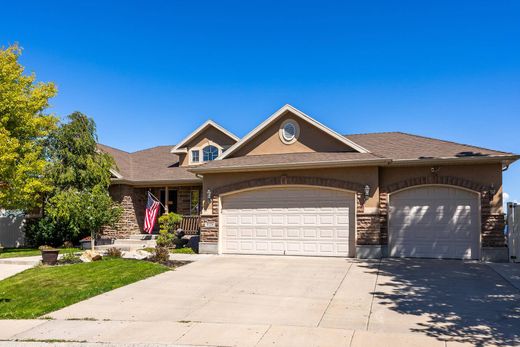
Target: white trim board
<point>178,148</point>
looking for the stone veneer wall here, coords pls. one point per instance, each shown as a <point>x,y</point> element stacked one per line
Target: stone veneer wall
<point>133,200</point>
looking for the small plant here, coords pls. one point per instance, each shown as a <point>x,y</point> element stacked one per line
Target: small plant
<point>45,248</point>
<point>170,222</point>
<point>114,252</point>
<point>69,258</point>
<point>165,238</point>
<point>160,255</point>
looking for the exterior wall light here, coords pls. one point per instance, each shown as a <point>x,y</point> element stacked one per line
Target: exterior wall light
<point>367,191</point>
<point>208,195</point>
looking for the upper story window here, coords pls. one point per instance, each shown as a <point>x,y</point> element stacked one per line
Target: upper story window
<point>195,156</point>
<point>209,153</point>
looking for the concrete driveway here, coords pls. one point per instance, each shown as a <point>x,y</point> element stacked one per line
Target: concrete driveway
<point>255,300</point>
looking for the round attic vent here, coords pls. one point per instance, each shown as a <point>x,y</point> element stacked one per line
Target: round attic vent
<point>289,131</point>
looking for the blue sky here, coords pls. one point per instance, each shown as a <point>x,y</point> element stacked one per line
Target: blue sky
<point>150,72</point>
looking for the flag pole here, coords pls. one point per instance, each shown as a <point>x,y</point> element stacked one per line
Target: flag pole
<point>159,201</point>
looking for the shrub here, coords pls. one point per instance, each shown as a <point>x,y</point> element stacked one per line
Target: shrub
<point>170,222</point>
<point>68,244</point>
<point>160,255</point>
<point>114,252</point>
<point>45,231</point>
<point>168,234</point>
<point>69,258</point>
<point>165,238</point>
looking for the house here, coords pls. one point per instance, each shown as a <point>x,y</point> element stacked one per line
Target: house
<point>294,186</point>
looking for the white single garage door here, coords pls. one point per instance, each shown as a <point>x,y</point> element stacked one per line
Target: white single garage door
<point>434,222</point>
<point>288,220</point>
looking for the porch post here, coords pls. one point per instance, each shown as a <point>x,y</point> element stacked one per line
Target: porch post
<point>166,199</point>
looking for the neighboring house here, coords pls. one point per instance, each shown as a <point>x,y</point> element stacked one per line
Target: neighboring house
<point>293,186</point>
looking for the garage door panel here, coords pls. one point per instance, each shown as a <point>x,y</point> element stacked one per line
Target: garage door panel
<point>434,222</point>
<point>298,221</point>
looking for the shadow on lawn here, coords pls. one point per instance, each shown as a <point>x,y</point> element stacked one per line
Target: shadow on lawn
<point>466,302</point>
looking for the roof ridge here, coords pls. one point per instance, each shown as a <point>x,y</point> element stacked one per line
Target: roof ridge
<point>451,142</point>
<point>117,149</point>
<point>147,149</point>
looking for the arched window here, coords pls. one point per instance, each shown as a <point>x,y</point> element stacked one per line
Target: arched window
<point>209,153</point>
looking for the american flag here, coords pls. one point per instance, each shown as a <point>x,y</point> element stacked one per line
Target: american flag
<point>152,208</point>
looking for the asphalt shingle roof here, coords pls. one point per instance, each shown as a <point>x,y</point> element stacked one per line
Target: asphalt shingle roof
<point>158,164</point>
<point>398,145</point>
<point>148,165</point>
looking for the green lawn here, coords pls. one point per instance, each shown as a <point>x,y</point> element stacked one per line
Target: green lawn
<point>29,252</point>
<point>44,289</point>
<point>185,250</point>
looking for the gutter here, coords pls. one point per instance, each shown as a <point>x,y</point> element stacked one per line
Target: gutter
<point>293,166</point>
<point>156,182</point>
<point>351,163</point>
<point>510,158</point>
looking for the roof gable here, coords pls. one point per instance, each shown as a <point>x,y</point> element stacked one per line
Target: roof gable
<point>296,114</point>
<point>180,147</point>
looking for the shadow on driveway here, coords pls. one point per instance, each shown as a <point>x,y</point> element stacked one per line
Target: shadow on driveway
<point>465,302</point>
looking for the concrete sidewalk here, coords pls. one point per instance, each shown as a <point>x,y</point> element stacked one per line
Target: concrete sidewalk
<point>8,270</point>
<point>33,260</point>
<point>167,333</point>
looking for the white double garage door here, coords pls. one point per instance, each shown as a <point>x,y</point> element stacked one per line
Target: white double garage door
<point>431,222</point>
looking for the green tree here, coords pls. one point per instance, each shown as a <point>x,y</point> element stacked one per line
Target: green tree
<point>24,126</point>
<point>79,203</point>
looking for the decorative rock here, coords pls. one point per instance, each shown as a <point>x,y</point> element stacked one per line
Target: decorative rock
<point>138,254</point>
<point>89,256</point>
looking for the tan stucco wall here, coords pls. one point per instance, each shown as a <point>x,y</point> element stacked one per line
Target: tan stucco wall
<point>485,174</point>
<point>360,175</point>
<point>209,135</point>
<point>311,139</point>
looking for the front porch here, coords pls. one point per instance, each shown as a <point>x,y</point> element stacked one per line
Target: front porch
<point>182,199</point>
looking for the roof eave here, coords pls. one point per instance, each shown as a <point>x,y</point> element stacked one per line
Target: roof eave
<point>204,125</point>
<point>292,166</point>
<point>456,160</point>
<point>156,182</point>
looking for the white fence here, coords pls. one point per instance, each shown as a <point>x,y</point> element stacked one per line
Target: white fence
<point>513,231</point>
<point>12,229</point>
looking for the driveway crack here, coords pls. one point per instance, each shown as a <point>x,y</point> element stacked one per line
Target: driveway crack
<point>333,295</point>
<point>263,335</point>
<point>373,294</point>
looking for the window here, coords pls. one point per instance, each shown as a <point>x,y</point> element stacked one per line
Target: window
<point>209,153</point>
<point>289,131</point>
<point>194,202</point>
<point>195,156</point>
